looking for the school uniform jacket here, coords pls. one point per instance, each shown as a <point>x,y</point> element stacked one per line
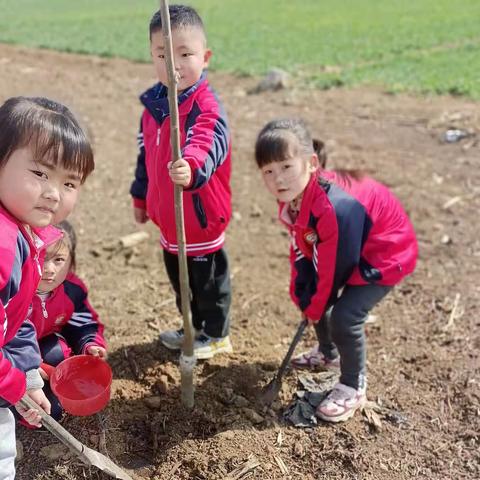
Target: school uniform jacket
<point>205,145</point>
<point>348,232</point>
<point>21,260</point>
<point>68,312</point>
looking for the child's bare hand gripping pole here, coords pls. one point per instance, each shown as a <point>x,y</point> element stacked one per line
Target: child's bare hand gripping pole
<point>187,359</point>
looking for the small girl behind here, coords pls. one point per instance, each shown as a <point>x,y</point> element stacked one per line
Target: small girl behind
<point>351,242</point>
<point>65,322</point>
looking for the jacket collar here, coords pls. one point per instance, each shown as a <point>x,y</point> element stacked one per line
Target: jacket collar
<point>304,214</point>
<point>42,237</point>
<point>155,99</point>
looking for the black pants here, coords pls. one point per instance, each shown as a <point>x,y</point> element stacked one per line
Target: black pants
<point>209,279</point>
<point>342,332</point>
<point>54,349</point>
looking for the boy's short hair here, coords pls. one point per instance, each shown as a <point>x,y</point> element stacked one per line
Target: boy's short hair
<point>180,16</point>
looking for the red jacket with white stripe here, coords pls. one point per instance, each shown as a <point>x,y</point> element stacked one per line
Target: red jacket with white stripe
<point>205,145</point>
<point>68,312</point>
<point>348,232</point>
<point>20,270</point>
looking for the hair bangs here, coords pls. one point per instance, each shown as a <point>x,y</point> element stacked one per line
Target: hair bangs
<point>49,129</point>
<point>57,143</point>
<point>274,146</point>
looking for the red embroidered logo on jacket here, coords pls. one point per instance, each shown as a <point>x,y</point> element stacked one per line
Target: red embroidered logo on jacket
<point>59,320</point>
<point>310,236</point>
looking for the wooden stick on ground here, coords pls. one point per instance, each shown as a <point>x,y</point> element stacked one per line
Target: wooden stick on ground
<point>187,359</point>
<point>86,455</point>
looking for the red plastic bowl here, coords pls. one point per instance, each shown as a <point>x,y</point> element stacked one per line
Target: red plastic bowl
<point>82,384</point>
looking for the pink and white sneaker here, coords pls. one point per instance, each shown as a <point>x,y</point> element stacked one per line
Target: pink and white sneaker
<point>315,360</point>
<point>341,403</point>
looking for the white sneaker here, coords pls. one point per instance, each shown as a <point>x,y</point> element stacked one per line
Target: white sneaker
<point>206,347</point>
<point>341,403</point>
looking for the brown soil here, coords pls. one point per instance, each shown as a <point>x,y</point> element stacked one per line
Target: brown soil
<point>423,353</point>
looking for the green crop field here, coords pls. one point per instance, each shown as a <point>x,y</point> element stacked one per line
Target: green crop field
<point>427,46</point>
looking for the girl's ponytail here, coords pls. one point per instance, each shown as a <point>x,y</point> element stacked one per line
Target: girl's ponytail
<point>347,174</point>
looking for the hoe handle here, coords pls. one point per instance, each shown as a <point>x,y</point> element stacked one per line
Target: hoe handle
<point>291,349</point>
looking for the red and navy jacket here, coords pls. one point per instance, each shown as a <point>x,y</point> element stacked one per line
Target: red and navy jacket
<point>68,312</point>
<point>21,258</point>
<point>205,144</point>
<point>348,232</point>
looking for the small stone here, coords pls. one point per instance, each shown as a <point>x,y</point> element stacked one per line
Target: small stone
<point>240,401</point>
<point>396,418</point>
<point>239,92</point>
<point>237,216</point>
<point>228,396</point>
<point>446,240</point>
<point>256,211</point>
<point>277,405</point>
<point>270,423</point>
<point>253,416</point>
<point>153,402</point>
<point>227,435</point>
<point>269,366</point>
<point>275,79</point>
<point>299,450</point>
<point>54,452</point>
<point>132,239</point>
<point>161,385</point>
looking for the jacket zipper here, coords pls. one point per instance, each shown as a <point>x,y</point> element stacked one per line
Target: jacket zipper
<point>44,309</point>
<point>158,137</point>
<point>38,264</point>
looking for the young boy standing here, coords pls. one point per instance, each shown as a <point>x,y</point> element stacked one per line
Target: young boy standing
<point>203,172</point>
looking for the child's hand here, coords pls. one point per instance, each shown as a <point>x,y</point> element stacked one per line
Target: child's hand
<point>180,172</point>
<point>140,215</point>
<point>43,373</point>
<point>96,351</point>
<point>32,416</point>
<point>310,321</point>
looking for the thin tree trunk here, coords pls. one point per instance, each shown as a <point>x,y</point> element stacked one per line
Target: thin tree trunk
<point>187,359</point>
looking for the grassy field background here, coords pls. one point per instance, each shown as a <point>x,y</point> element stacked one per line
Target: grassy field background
<point>429,46</point>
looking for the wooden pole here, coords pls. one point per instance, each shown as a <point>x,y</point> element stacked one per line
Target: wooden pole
<point>187,358</point>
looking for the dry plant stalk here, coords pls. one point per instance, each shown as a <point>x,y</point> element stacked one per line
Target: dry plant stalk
<point>244,469</point>
<point>454,314</point>
<point>187,360</point>
<point>281,464</point>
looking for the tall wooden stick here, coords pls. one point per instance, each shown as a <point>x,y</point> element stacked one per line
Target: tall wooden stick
<point>187,359</point>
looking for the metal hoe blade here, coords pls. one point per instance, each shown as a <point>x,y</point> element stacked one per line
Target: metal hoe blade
<point>270,392</point>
